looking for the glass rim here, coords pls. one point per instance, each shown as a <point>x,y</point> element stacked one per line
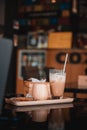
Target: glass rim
<point>56,70</point>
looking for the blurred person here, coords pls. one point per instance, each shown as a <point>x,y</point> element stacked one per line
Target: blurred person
<point>10,85</point>
<point>6,47</point>
<point>2,35</point>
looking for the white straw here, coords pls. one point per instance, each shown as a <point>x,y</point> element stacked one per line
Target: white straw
<point>65,62</point>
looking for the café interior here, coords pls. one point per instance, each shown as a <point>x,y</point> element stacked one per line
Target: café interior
<point>43,64</point>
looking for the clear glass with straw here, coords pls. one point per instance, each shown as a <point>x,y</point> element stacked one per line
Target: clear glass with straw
<point>57,80</point>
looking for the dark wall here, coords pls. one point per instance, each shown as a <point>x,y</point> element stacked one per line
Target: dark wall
<point>10,15</point>
<point>2,11</point>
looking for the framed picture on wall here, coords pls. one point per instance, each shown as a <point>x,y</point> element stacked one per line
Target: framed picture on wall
<point>32,58</point>
<point>37,39</point>
<point>82,40</point>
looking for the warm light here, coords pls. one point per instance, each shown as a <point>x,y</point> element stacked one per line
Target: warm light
<point>53,1</point>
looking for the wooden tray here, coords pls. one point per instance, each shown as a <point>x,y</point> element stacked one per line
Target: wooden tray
<point>38,107</point>
<point>44,102</point>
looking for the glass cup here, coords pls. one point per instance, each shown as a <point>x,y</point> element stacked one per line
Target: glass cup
<point>57,80</point>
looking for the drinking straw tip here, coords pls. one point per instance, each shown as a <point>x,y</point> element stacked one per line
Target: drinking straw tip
<point>65,62</point>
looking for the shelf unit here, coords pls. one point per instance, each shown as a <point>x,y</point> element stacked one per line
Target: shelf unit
<point>45,14</point>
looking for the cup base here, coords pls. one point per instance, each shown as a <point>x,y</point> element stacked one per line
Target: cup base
<point>57,97</point>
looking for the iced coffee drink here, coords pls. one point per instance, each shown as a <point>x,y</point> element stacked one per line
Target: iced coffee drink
<point>57,82</point>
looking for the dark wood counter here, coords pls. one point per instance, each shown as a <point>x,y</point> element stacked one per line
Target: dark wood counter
<point>69,116</point>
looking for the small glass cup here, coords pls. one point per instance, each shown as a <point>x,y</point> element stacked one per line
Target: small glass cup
<point>57,80</point>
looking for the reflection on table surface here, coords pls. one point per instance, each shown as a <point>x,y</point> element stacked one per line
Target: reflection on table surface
<point>45,117</point>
